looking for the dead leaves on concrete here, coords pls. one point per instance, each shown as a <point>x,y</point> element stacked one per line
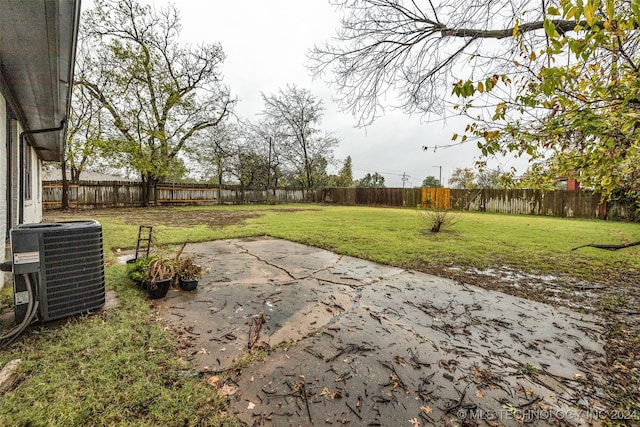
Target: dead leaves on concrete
<point>254,331</point>
<point>225,389</point>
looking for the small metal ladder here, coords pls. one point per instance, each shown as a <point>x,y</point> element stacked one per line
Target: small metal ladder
<point>144,240</point>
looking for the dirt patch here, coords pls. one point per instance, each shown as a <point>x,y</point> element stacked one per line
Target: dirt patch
<point>167,216</point>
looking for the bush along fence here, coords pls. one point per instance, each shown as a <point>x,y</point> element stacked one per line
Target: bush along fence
<point>560,203</point>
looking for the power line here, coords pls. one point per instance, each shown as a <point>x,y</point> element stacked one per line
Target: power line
<point>382,172</point>
<point>453,144</point>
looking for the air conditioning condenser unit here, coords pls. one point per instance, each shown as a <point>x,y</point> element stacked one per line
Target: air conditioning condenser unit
<point>58,269</point>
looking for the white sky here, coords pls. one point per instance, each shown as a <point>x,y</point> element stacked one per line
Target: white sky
<point>266,43</point>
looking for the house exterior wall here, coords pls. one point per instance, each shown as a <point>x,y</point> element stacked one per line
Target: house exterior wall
<point>15,171</point>
<point>3,182</point>
<point>33,206</point>
<point>10,188</point>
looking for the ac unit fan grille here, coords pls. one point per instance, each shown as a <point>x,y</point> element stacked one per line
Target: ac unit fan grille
<point>73,272</point>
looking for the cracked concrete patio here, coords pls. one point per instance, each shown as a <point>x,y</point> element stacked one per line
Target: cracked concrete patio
<point>356,342</point>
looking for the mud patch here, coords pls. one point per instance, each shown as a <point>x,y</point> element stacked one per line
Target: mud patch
<point>167,216</point>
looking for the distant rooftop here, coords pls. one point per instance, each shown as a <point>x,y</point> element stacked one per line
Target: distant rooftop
<point>56,175</point>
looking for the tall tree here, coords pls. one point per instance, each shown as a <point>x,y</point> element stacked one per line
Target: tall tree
<point>158,93</point>
<point>298,113</point>
<point>319,174</point>
<point>463,178</point>
<point>85,136</point>
<point>492,178</point>
<point>372,181</point>
<point>431,182</point>
<point>345,175</point>
<point>214,149</point>
<point>539,175</point>
<point>270,136</point>
<point>250,168</point>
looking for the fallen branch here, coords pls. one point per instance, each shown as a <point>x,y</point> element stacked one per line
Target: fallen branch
<point>353,410</point>
<point>303,393</point>
<point>609,247</point>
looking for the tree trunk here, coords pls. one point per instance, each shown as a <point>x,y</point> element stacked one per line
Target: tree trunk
<point>148,183</point>
<point>75,175</point>
<point>220,183</point>
<point>65,186</point>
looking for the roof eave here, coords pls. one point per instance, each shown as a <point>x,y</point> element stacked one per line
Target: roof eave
<point>37,55</point>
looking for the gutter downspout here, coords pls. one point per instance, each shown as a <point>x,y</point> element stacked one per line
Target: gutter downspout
<point>63,122</point>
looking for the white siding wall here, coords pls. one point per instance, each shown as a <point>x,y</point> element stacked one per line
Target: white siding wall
<point>33,207</point>
<point>3,183</point>
<point>15,172</point>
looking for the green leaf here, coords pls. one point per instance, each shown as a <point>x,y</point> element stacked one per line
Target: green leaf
<point>635,8</point>
<point>550,29</point>
<point>553,11</point>
<point>589,12</point>
<point>610,9</point>
<point>488,84</point>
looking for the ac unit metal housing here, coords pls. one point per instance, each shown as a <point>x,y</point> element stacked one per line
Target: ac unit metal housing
<point>64,262</point>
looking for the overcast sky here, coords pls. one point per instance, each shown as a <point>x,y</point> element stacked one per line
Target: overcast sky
<point>267,42</point>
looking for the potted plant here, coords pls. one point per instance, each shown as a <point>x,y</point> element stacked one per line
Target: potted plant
<point>188,274</point>
<point>138,270</point>
<point>161,272</point>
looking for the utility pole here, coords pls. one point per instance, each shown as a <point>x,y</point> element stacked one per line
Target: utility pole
<point>440,178</point>
<point>405,178</point>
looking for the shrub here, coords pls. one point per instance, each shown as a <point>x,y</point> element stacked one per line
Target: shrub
<point>437,219</point>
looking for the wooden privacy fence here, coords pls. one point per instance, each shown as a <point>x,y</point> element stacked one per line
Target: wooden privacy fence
<point>93,194</point>
<point>129,194</point>
<point>560,203</point>
<point>437,198</point>
<point>399,197</point>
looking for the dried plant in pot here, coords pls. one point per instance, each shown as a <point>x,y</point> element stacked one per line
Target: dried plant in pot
<point>188,274</point>
<point>161,272</point>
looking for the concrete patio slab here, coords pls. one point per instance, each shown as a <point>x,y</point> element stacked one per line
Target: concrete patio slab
<point>354,342</point>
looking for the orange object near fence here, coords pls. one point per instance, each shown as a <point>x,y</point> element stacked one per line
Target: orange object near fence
<point>436,198</point>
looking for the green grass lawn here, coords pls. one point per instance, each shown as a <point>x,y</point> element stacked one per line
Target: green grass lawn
<point>117,368</point>
<point>122,368</point>
<point>397,237</point>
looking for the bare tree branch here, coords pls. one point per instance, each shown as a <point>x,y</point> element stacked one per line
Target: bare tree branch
<point>396,49</point>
